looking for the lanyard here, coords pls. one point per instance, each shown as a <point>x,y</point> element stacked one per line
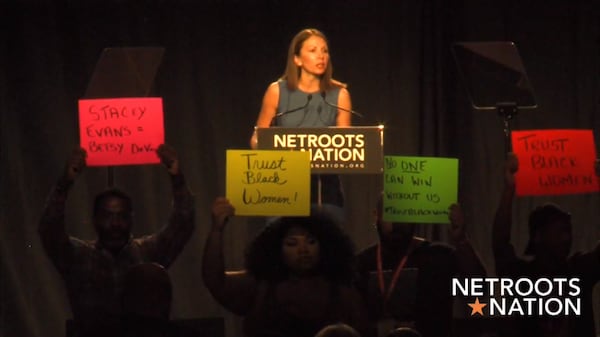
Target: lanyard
<point>386,295</point>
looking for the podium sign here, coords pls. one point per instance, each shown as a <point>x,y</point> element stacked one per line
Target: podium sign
<point>339,150</point>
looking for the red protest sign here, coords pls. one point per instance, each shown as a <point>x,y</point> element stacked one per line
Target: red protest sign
<point>121,131</point>
<point>555,162</point>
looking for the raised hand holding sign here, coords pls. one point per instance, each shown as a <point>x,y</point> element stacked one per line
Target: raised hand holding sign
<point>75,164</point>
<point>168,157</point>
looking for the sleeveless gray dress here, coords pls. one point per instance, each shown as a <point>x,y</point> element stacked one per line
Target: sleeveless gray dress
<point>316,114</point>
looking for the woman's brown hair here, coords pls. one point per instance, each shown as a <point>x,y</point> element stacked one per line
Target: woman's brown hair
<point>292,71</point>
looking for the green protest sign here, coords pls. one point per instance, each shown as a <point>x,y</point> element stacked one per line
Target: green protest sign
<point>419,189</point>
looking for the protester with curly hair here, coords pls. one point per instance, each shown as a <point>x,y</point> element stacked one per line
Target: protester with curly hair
<point>298,276</point>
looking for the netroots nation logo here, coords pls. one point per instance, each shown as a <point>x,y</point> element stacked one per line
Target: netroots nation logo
<point>520,297</point>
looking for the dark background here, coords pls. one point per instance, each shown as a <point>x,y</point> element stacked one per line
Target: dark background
<point>220,57</point>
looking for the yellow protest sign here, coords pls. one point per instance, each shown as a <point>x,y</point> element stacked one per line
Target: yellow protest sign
<point>268,183</point>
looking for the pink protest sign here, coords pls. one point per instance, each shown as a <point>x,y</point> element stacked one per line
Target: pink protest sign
<point>555,162</point>
<point>121,131</point>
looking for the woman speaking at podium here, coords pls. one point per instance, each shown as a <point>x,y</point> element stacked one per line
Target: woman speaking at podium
<point>307,96</point>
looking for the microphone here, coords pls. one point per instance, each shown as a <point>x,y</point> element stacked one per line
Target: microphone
<point>323,94</point>
<point>308,98</point>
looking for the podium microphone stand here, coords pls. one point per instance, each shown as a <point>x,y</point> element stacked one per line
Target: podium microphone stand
<point>508,111</point>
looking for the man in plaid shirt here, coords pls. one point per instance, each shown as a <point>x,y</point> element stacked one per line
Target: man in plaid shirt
<point>93,271</point>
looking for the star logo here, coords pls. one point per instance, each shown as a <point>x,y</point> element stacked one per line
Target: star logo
<point>476,307</point>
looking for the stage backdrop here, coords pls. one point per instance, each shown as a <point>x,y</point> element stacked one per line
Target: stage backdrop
<point>219,58</point>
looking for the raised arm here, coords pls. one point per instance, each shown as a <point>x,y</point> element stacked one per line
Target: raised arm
<point>171,239</point>
<point>52,224</point>
<point>233,290</point>
<point>267,111</point>
<point>469,262</point>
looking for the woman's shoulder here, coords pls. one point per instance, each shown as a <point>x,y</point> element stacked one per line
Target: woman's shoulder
<point>273,90</point>
<point>339,85</point>
<point>276,85</point>
<point>337,89</point>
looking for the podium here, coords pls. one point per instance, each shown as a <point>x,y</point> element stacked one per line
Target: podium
<point>334,150</point>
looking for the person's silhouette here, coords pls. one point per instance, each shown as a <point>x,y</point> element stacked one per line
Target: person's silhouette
<point>93,271</point>
<point>550,239</point>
